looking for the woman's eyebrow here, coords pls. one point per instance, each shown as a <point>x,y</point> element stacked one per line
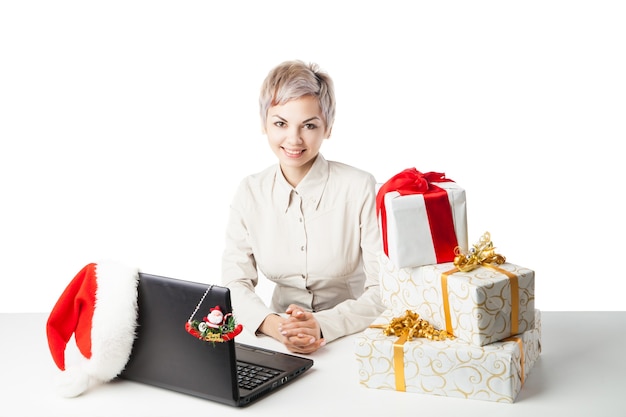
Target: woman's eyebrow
<point>303,122</point>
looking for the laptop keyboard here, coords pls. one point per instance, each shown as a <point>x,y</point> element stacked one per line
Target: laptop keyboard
<point>251,376</point>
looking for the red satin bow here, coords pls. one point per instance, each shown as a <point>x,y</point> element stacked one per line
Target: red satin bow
<point>411,181</point>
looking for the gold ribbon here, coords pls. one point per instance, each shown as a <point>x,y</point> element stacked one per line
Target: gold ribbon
<point>406,328</point>
<point>398,362</point>
<point>481,254</point>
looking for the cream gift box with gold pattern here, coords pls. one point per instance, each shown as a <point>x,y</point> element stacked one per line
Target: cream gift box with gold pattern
<point>452,367</point>
<point>481,306</point>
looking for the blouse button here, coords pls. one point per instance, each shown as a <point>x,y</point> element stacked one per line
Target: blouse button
<point>302,248</point>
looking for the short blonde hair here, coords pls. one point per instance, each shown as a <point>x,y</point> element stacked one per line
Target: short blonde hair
<point>295,79</point>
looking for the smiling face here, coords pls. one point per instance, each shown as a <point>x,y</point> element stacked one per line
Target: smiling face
<point>295,131</point>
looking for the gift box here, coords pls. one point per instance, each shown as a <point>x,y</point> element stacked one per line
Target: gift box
<point>481,306</point>
<point>422,218</point>
<point>451,367</point>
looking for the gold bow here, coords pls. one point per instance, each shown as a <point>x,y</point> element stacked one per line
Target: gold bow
<point>482,253</point>
<point>411,326</point>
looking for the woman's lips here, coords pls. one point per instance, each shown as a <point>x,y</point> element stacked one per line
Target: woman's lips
<point>293,153</point>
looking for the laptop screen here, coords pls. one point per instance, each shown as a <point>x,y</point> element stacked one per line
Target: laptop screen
<point>165,355</point>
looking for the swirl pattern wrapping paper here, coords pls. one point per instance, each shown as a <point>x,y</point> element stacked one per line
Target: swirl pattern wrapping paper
<point>452,368</point>
<point>479,302</point>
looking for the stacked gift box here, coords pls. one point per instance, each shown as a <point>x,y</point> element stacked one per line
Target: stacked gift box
<point>460,321</point>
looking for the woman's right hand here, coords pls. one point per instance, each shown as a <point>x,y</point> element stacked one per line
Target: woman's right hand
<point>300,332</point>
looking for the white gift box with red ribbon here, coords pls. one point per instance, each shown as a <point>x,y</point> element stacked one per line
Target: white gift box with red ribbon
<point>422,218</point>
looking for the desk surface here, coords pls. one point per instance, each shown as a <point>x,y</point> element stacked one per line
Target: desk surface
<point>581,372</point>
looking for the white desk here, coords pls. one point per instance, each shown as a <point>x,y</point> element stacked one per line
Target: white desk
<point>581,372</point>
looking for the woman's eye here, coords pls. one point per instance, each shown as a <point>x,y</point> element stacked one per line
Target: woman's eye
<point>279,124</point>
<point>310,126</point>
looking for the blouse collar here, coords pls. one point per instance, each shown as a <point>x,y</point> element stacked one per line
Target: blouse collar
<point>310,188</point>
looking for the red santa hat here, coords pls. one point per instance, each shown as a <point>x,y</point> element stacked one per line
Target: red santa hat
<point>98,307</point>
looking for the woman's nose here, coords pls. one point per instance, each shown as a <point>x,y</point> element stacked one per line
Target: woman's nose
<point>293,136</point>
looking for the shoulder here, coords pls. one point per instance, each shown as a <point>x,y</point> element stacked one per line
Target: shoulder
<point>259,178</point>
<point>349,174</point>
<point>254,185</point>
<point>350,182</point>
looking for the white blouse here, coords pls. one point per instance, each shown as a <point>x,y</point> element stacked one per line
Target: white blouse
<point>318,242</point>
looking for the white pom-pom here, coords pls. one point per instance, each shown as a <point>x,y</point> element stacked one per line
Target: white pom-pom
<point>72,382</point>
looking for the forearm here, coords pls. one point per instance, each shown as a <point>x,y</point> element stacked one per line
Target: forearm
<point>351,316</point>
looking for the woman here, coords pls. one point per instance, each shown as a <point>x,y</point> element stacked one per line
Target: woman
<point>308,224</point>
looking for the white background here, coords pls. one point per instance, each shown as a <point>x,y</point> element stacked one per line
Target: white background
<point>125,127</point>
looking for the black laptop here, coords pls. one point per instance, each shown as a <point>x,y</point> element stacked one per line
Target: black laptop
<point>165,355</point>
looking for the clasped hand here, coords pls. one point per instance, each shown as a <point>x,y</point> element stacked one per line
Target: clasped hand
<point>299,331</point>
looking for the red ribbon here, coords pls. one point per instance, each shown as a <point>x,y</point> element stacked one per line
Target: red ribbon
<point>440,220</point>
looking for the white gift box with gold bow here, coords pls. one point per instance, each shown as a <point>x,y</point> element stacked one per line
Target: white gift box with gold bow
<point>482,306</point>
<point>453,368</point>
